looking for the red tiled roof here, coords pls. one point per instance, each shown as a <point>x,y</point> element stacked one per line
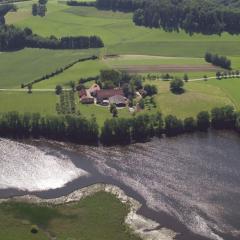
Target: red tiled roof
<point>107,93</point>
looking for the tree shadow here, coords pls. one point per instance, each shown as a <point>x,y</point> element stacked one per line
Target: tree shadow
<point>178,91</point>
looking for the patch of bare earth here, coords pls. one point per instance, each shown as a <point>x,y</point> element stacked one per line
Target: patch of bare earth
<point>167,68</point>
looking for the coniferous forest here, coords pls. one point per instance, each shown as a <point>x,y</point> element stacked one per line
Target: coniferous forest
<point>198,16</point>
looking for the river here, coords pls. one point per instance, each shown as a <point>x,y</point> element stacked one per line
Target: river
<point>189,183</point>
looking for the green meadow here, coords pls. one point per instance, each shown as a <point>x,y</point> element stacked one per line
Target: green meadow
<point>29,64</point>
<point>89,218</point>
<point>80,70</point>
<point>42,102</point>
<point>120,35</point>
<point>198,96</point>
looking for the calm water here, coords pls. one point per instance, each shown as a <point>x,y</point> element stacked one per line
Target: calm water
<point>188,182</point>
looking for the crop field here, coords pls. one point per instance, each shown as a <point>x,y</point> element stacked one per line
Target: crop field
<point>30,64</point>
<point>158,64</point>
<point>71,221</point>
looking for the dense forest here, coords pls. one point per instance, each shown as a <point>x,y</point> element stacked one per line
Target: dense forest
<point>13,38</point>
<point>75,128</point>
<point>193,16</point>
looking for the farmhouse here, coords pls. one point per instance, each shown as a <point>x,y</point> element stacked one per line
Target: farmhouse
<point>104,94</point>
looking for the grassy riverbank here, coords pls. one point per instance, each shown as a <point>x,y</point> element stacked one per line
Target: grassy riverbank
<point>97,217</point>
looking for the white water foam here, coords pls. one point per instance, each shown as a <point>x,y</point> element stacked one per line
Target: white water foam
<point>29,168</point>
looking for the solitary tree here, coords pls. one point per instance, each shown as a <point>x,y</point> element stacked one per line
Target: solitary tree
<point>29,88</point>
<point>185,77</point>
<point>205,77</point>
<point>34,9</point>
<point>58,89</point>
<point>72,85</point>
<point>176,85</point>
<point>218,75</point>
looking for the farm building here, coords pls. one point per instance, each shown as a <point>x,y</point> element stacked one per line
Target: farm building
<point>105,94</point>
<point>85,97</point>
<point>93,89</point>
<point>118,100</point>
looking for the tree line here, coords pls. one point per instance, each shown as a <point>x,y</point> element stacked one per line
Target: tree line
<point>80,3</point>
<point>71,128</point>
<point>143,127</point>
<point>13,38</point>
<point>220,61</point>
<point>140,128</point>
<point>193,16</point>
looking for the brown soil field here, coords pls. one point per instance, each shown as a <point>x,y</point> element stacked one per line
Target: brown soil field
<point>167,68</point>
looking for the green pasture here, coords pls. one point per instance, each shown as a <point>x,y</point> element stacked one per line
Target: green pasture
<point>80,70</point>
<point>198,96</point>
<point>101,113</point>
<point>230,87</point>
<point>100,216</point>
<point>42,102</point>
<point>122,36</point>
<point>29,64</point>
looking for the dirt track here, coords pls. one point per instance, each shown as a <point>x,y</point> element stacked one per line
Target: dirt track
<point>167,68</point>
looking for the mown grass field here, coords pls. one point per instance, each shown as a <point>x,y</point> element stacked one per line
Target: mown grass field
<point>121,35</point>
<point>29,64</point>
<point>42,102</point>
<point>80,70</point>
<point>100,216</point>
<point>231,87</point>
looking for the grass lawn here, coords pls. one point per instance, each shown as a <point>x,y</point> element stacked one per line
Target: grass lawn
<point>80,70</point>
<point>198,96</point>
<point>98,217</point>
<point>122,36</point>
<point>44,103</point>
<point>101,113</point>
<point>29,64</point>
<point>231,87</point>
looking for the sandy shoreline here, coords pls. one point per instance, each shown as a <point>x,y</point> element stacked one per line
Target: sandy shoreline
<point>145,228</point>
